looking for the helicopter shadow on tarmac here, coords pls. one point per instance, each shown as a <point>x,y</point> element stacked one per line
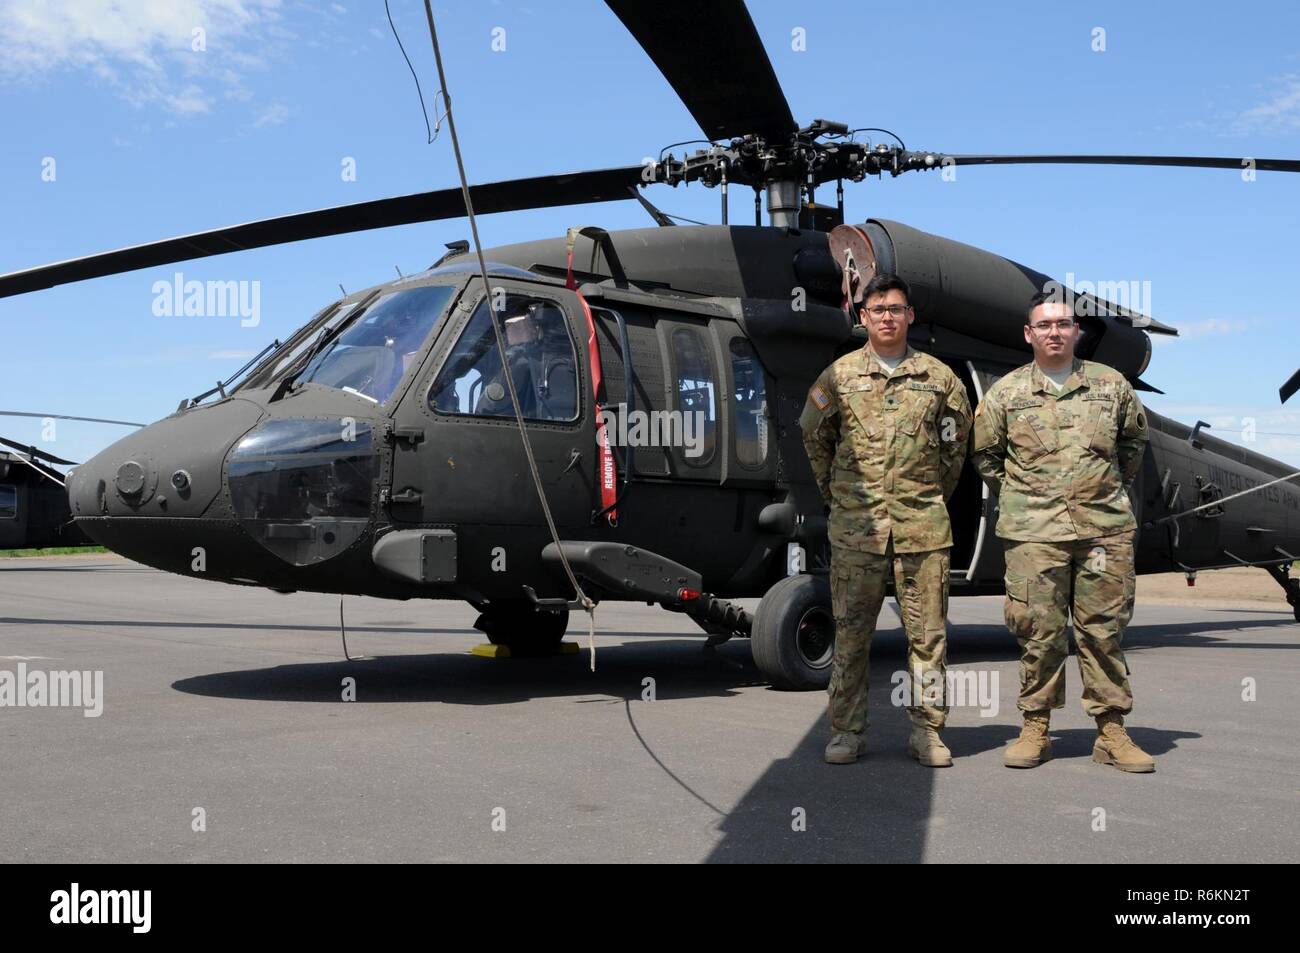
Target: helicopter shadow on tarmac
<point>681,667</point>
<point>174,625</point>
<point>1211,633</point>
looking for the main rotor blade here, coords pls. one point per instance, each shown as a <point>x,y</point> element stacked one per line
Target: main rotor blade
<point>547,191</point>
<point>712,57</point>
<point>42,469</point>
<point>36,454</point>
<point>1290,387</point>
<point>93,420</point>
<point>1205,162</point>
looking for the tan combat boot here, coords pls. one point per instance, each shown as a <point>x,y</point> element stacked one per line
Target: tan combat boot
<point>927,747</point>
<point>845,747</point>
<point>1114,746</point>
<point>1033,747</point>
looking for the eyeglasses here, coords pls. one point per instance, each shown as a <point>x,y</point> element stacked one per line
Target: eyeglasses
<point>1043,327</point>
<point>895,311</point>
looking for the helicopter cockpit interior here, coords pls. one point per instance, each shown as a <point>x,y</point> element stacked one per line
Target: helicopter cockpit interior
<point>539,353</point>
<point>370,355</point>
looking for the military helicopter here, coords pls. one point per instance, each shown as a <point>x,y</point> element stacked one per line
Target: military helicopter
<point>33,505</point>
<point>377,452</point>
<point>34,508</point>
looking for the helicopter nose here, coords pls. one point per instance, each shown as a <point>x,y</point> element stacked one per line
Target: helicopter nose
<point>234,492</point>
<point>161,479</point>
<point>171,468</point>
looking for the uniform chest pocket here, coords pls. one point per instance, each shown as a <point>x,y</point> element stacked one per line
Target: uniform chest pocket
<point>864,400</point>
<point>918,406</point>
<point>1101,422</point>
<point>1031,429</point>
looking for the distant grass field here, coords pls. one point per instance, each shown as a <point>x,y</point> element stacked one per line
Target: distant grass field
<point>53,551</point>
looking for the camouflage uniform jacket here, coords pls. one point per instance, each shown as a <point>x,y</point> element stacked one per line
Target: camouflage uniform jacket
<point>887,449</point>
<point>1061,463</point>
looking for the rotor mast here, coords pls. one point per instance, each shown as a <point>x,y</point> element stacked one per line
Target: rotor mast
<point>784,200</point>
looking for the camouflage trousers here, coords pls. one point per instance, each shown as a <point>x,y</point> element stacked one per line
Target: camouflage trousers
<point>857,593</point>
<point>1091,579</point>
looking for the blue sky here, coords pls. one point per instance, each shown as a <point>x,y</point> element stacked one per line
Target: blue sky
<point>151,138</point>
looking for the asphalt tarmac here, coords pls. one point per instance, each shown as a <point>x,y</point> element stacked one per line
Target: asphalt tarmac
<point>223,709</point>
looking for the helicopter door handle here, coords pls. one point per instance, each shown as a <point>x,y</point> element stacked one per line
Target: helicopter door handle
<point>411,435</point>
<point>574,456</point>
<point>407,496</point>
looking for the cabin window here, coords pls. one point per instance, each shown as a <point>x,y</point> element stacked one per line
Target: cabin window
<point>8,502</point>
<point>750,403</point>
<point>539,354</point>
<point>696,397</point>
<point>643,388</point>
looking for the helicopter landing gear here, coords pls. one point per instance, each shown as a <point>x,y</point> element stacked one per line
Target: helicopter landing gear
<point>523,628</point>
<point>793,638</point>
<point>1282,573</point>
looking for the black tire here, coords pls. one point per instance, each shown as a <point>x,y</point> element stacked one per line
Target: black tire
<point>523,628</point>
<point>793,638</point>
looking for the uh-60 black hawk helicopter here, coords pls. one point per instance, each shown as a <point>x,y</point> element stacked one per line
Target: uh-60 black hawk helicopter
<point>376,451</point>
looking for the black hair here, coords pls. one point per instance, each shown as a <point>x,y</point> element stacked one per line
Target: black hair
<point>883,283</point>
<point>1040,297</point>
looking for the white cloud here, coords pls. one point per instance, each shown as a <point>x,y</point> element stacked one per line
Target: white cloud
<point>142,48</point>
<point>272,115</point>
<point>1206,328</point>
<point>1210,327</point>
<point>1281,111</point>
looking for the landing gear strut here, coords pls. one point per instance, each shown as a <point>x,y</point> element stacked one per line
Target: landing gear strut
<point>1282,573</point>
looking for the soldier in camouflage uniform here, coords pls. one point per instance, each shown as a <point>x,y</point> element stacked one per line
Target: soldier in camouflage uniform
<point>886,429</point>
<point>1060,441</point>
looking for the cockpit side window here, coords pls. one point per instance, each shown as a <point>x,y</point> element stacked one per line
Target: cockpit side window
<point>539,353</point>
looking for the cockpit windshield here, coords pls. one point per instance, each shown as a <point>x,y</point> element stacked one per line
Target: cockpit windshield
<point>291,356</point>
<point>370,351</point>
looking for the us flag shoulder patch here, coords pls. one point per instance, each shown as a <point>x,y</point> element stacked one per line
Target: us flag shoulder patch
<point>820,398</point>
